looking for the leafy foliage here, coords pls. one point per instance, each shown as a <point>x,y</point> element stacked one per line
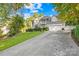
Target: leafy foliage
<point>5,9</point>
<point>30,20</point>
<point>75,34</point>
<point>16,25</point>
<point>16,22</point>
<point>68,12</point>
<point>37,29</point>
<point>0,32</point>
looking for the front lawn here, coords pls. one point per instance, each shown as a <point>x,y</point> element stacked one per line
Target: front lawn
<point>4,44</point>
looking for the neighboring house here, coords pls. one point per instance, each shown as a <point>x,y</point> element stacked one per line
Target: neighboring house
<point>41,22</point>
<point>51,22</point>
<point>5,30</point>
<point>56,25</point>
<point>45,20</point>
<point>35,22</point>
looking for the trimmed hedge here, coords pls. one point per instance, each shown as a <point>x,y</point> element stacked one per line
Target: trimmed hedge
<point>37,29</point>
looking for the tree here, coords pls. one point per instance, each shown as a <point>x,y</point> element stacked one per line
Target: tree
<point>6,8</point>
<point>68,13</point>
<point>29,21</point>
<point>16,25</point>
<point>36,15</point>
<point>40,15</point>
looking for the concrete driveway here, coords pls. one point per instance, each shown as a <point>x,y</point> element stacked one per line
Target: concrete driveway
<point>47,44</point>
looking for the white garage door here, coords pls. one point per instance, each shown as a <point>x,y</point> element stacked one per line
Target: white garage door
<point>55,28</point>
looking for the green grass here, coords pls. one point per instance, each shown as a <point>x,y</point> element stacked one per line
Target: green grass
<point>76,32</point>
<point>4,44</point>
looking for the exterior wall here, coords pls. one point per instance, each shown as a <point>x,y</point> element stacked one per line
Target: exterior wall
<point>51,22</point>
<point>56,27</point>
<point>36,22</point>
<point>5,30</point>
<point>45,20</point>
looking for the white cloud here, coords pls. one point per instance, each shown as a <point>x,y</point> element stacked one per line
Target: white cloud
<point>39,5</point>
<point>53,9</point>
<point>34,11</point>
<point>31,6</point>
<point>50,15</point>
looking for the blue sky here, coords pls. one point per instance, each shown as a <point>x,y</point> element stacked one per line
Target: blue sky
<point>46,8</point>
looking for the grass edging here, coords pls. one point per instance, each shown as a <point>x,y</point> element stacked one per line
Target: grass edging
<point>4,44</point>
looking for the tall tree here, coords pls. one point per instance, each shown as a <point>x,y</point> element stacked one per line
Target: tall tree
<point>16,21</point>
<point>6,8</point>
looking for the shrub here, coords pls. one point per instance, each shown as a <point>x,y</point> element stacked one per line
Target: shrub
<point>45,29</point>
<point>29,30</point>
<point>1,33</point>
<point>75,32</point>
<point>37,29</point>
